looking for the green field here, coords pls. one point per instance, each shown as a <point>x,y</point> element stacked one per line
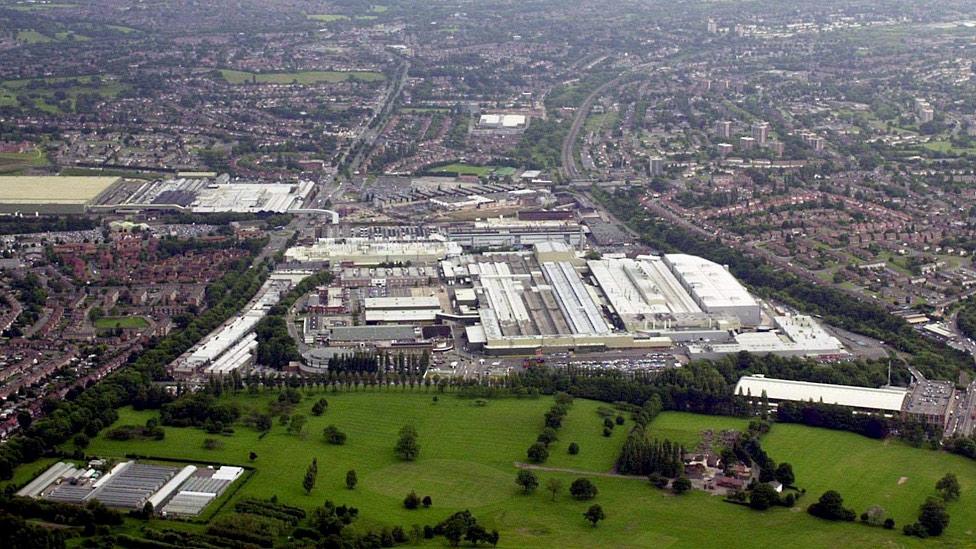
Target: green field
<point>303,77</point>
<point>467,461</point>
<point>129,322</point>
<point>461,168</point>
<point>14,163</point>
<point>45,97</point>
<point>32,37</point>
<point>328,18</point>
<point>867,472</point>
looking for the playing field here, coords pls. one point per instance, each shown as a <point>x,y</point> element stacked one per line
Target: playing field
<point>467,461</point>
<point>303,77</point>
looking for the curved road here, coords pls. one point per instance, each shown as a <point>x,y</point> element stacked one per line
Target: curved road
<point>569,169</point>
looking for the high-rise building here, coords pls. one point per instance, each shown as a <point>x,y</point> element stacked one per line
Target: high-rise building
<point>747,143</point>
<point>656,166</point>
<point>723,128</point>
<point>724,149</point>
<point>760,132</point>
<point>712,26</point>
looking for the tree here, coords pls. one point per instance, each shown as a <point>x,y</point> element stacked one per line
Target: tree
<point>297,424</point>
<point>784,474</point>
<point>681,485</point>
<point>763,497</point>
<point>594,514</point>
<point>319,407</point>
<point>334,436</point>
<point>427,502</point>
<point>554,486</point>
<point>538,453</point>
<point>412,501</point>
<point>310,475</point>
<point>933,517</point>
<point>527,480</point>
<point>351,479</point>
<point>547,436</point>
<point>252,456</point>
<point>582,489</point>
<point>948,487</point>
<point>407,448</point>
<point>659,481</point>
<point>573,448</point>
<point>830,506</point>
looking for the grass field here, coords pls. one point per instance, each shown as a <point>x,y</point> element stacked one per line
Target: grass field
<point>32,37</point>
<point>45,97</point>
<point>461,168</point>
<point>13,163</point>
<point>328,18</point>
<point>867,472</point>
<point>304,77</point>
<point>130,322</point>
<point>467,461</point>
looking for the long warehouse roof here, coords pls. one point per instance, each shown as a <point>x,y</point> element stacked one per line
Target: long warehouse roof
<point>886,398</point>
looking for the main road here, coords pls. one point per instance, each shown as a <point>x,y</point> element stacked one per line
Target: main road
<point>568,167</point>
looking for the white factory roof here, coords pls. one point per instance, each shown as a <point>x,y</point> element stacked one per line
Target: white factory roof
<point>330,248</point>
<point>889,398</point>
<point>711,283</point>
<point>490,119</point>
<point>641,286</point>
<point>403,315</point>
<point>251,197</point>
<point>420,302</point>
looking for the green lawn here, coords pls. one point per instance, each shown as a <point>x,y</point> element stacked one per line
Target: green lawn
<point>131,322</point>
<point>303,77</point>
<point>467,461</point>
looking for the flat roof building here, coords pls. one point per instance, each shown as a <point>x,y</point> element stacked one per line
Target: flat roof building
<point>885,399</point>
<point>51,194</point>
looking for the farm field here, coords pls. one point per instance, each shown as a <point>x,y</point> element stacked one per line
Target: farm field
<point>304,77</point>
<point>467,461</point>
<point>131,322</point>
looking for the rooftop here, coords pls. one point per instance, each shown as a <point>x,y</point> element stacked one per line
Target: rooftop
<point>889,399</point>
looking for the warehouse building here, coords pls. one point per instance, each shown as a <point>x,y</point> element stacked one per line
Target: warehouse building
<point>888,400</point>
<point>373,252</point>
<point>29,195</point>
<point>714,288</point>
<point>793,335</point>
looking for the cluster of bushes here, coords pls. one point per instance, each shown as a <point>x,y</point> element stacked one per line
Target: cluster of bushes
<point>413,501</point>
<point>270,509</point>
<point>830,506</point>
<point>151,431</point>
<point>333,435</point>
<point>539,451</point>
<point>608,419</point>
<point>462,526</point>
<point>247,528</point>
<point>200,409</point>
<point>320,407</point>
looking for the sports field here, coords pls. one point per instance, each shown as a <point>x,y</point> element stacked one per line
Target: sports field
<point>303,77</point>
<point>467,461</point>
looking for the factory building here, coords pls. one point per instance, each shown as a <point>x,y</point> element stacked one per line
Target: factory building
<point>888,400</point>
<point>714,288</point>
<point>515,233</point>
<point>402,310</point>
<point>502,121</point>
<point>373,252</point>
<point>793,335</point>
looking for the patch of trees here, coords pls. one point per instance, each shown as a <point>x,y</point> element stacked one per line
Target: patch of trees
<point>150,431</point>
<point>933,519</point>
<point>17,532</point>
<point>276,348</point>
<point>87,517</point>
<point>583,489</point>
<point>830,506</point>
<point>271,509</point>
<point>832,416</point>
<point>642,455</point>
<point>464,526</point>
<point>24,225</point>
<point>538,452</point>
<point>199,409</point>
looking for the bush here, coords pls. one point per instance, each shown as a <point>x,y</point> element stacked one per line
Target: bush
<point>573,448</point>
<point>547,436</point>
<point>427,502</point>
<point>334,436</point>
<point>538,453</point>
<point>620,420</point>
<point>889,523</point>
<point>659,481</point>
<point>607,431</point>
<point>412,501</point>
<point>831,507</point>
<point>681,485</point>
<point>582,489</point>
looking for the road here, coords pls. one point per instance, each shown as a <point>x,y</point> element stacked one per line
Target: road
<point>569,169</point>
<point>372,129</point>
